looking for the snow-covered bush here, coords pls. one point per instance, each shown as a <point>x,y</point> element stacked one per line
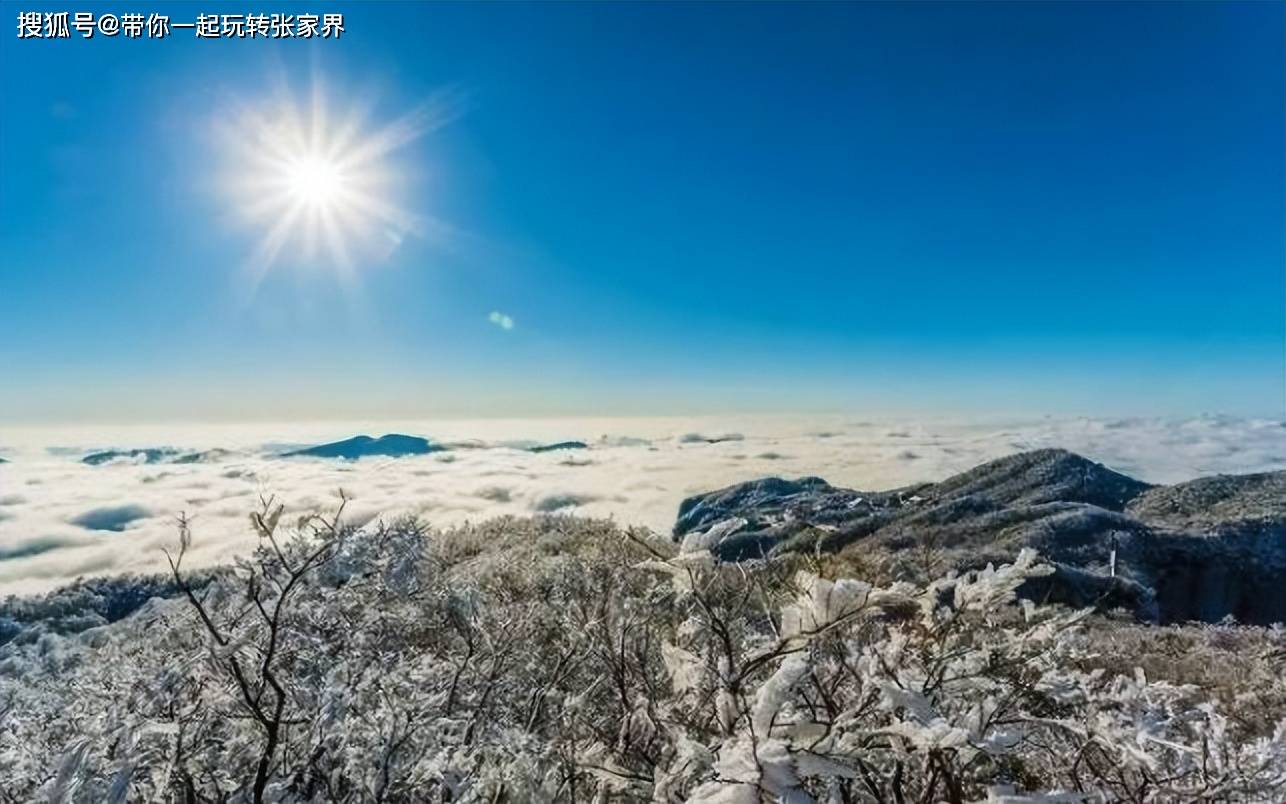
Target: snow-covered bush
<point>87,603</point>
<point>560,659</point>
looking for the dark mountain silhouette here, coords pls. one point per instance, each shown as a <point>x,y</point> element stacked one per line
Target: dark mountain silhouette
<point>152,455</point>
<point>560,445</point>
<point>701,438</point>
<point>148,454</point>
<point>393,446</point>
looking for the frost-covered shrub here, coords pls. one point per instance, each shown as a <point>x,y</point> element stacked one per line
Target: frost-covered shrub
<point>87,603</point>
<point>560,659</point>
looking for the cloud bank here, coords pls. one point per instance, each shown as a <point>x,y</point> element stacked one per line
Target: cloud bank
<point>61,518</point>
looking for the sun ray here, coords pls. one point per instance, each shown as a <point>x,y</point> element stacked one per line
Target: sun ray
<point>321,182</point>
<point>270,246</point>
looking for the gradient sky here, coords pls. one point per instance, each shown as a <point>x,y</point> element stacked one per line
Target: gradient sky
<point>1027,207</point>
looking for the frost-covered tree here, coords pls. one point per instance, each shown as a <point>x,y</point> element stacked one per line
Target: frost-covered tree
<point>560,659</point>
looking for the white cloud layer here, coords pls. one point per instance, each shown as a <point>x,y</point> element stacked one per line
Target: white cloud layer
<point>501,320</point>
<point>60,519</point>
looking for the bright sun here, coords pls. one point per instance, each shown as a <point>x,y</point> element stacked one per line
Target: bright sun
<point>324,188</point>
<point>315,181</point>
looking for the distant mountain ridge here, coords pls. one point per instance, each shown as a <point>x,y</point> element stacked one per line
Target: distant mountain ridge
<point>396,445</point>
<point>147,455</point>
<point>1201,550</point>
<point>392,445</point>
<point>152,455</point>
<point>561,445</point>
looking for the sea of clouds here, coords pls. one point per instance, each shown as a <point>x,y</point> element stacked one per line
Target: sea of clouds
<point>61,518</point>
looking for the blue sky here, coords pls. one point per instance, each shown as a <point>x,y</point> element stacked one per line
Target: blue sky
<point>947,208</point>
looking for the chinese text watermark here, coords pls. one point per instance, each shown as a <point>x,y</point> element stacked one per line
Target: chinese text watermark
<point>61,24</point>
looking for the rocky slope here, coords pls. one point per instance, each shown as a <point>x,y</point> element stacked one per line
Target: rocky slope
<point>1203,550</point>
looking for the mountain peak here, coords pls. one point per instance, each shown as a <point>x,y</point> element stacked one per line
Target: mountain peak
<point>391,445</point>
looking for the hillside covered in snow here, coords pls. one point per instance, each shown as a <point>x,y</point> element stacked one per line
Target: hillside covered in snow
<point>569,659</point>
